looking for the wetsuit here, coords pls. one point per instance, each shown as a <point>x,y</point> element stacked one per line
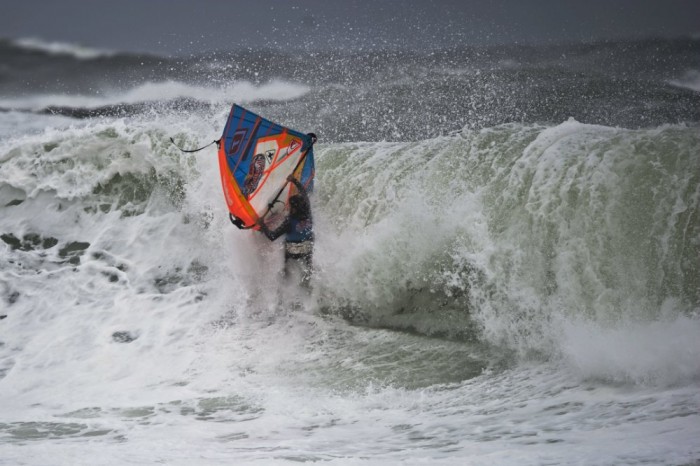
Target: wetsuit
<point>298,227</point>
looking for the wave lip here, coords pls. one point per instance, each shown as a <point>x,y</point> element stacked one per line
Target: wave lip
<point>61,48</point>
<point>690,80</point>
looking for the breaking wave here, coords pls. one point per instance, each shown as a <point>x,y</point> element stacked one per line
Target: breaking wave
<point>62,48</point>
<point>530,238</point>
<point>159,92</point>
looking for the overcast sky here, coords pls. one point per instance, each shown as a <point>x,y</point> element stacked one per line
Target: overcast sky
<point>189,26</point>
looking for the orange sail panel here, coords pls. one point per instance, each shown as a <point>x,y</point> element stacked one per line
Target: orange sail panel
<point>255,158</point>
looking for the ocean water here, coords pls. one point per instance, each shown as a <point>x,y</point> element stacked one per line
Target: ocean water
<point>507,259</point>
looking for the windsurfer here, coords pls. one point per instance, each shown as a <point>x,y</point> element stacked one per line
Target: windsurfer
<point>298,226</point>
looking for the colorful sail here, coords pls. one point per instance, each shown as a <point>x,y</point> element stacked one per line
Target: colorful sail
<point>255,158</point>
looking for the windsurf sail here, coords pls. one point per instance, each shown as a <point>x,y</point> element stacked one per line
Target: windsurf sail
<point>255,158</point>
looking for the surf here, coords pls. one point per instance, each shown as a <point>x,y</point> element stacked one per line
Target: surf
<point>491,283</point>
<point>495,235</point>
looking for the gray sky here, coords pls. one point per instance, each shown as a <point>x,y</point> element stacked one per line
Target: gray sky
<point>188,26</point>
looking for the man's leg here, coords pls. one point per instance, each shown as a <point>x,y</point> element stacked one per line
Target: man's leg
<point>307,269</point>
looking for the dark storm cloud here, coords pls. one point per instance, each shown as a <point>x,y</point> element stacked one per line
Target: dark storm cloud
<point>182,27</point>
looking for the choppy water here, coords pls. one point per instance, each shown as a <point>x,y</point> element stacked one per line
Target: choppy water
<point>521,291</point>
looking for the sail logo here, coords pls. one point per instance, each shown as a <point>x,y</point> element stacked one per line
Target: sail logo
<point>238,137</point>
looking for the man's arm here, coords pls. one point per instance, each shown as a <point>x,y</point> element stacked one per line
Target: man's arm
<point>300,187</point>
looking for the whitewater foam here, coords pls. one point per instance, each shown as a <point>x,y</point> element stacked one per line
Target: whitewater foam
<point>662,352</point>
<point>18,124</point>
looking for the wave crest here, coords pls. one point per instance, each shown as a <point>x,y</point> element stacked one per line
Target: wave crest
<point>62,48</point>
<point>164,91</point>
